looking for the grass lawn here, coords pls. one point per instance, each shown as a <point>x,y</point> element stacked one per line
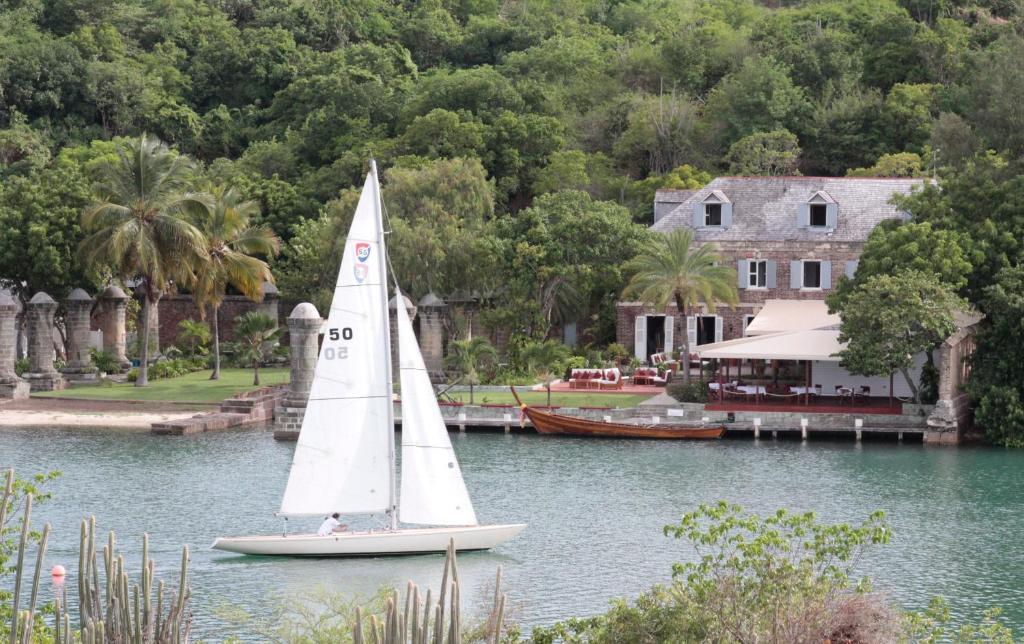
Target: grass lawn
<point>558,399</point>
<point>194,387</point>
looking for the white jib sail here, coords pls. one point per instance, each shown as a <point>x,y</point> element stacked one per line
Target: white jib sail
<point>342,461</point>
<point>433,492</point>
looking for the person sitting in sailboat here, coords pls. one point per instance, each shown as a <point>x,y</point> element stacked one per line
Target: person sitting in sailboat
<point>331,525</point>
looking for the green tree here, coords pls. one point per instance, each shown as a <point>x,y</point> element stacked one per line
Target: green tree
<point>137,225</point>
<point>440,214</point>
<point>757,97</point>
<point>887,320</point>
<point>901,164</point>
<point>230,244</point>
<point>676,270</point>
<point>546,360</point>
<point>255,331</point>
<point>997,373</point>
<point>40,216</point>
<point>895,246</point>
<point>468,357</point>
<point>765,154</point>
<point>561,257</point>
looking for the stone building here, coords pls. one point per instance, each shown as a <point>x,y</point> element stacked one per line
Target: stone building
<point>790,238</point>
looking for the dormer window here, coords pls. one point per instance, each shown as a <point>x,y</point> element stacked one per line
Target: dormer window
<point>819,212</point>
<point>712,214</point>
<point>714,210</point>
<point>819,215</point>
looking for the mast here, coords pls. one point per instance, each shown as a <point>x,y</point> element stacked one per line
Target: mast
<point>392,497</point>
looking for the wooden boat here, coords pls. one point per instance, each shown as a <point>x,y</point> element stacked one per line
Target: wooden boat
<point>549,423</point>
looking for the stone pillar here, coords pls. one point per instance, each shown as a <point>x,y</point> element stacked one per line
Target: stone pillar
<point>431,310</point>
<point>304,332</point>
<point>271,299</point>
<point>11,386</point>
<point>41,374</point>
<point>112,323</point>
<point>392,312</point>
<point>79,366</point>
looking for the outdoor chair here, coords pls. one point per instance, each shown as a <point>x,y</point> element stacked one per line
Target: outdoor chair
<point>612,379</point>
<point>865,392</point>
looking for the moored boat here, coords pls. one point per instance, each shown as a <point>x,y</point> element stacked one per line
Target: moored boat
<point>550,423</point>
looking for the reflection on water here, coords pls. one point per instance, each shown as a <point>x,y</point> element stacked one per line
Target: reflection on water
<point>595,509</point>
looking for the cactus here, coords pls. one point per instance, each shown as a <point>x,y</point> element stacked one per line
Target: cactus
<point>411,623</point>
<point>116,611</point>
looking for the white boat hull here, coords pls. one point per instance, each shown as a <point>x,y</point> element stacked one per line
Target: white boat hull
<point>356,544</point>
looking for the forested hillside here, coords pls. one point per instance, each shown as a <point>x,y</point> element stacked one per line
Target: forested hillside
<point>501,126</point>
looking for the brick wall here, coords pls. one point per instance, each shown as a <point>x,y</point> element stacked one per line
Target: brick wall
<point>751,300</point>
<point>175,308</point>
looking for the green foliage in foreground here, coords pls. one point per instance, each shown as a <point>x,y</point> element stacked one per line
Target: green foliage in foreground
<point>112,608</point>
<point>776,579</point>
<point>192,388</point>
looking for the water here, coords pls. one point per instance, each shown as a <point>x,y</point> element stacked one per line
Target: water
<point>595,509</point>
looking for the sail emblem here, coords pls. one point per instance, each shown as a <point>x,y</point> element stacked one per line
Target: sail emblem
<point>360,271</point>
<point>362,251</point>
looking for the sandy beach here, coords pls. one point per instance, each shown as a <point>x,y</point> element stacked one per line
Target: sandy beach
<point>96,414</point>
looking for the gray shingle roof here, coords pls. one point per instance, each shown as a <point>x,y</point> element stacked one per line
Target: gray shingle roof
<point>765,208</point>
<point>667,199</point>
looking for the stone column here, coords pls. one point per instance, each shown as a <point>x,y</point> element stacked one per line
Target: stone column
<point>11,386</point>
<point>114,302</point>
<point>79,367</point>
<point>431,310</point>
<point>271,299</point>
<point>392,312</point>
<point>304,332</point>
<point>41,374</point>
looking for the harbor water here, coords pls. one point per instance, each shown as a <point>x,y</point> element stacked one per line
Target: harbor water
<point>595,510</point>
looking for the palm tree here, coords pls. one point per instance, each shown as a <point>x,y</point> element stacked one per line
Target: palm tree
<point>137,227</point>
<point>196,334</point>
<point>674,270</point>
<point>544,360</point>
<point>467,357</point>
<point>255,330</point>
<point>230,244</point>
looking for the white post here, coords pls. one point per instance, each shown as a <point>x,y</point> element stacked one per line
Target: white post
<point>803,428</point>
<point>508,421</point>
<point>462,421</point>
<point>655,420</point>
<point>757,428</point>
<point>607,418</point>
<point>858,423</point>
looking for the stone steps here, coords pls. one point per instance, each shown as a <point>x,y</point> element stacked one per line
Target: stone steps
<point>249,408</point>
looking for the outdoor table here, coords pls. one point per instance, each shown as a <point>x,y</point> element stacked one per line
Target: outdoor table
<point>753,390</point>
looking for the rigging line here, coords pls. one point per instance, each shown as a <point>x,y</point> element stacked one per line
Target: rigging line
<point>387,231</point>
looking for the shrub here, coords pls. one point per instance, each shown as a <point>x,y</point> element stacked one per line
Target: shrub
<point>104,360</point>
<point>21,366</point>
<point>694,392</point>
<point>617,353</point>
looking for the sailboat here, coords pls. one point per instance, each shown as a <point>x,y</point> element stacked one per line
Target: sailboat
<point>345,456</point>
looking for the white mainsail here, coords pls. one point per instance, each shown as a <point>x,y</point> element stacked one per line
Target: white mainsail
<point>343,459</point>
<point>433,492</point>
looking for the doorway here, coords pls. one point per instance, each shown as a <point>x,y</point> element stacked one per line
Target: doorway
<point>706,331</point>
<point>655,334</point>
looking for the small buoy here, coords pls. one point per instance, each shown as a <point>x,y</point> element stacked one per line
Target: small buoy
<point>58,571</point>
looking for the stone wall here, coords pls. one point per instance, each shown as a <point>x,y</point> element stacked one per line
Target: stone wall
<point>175,308</point>
<point>953,414</point>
